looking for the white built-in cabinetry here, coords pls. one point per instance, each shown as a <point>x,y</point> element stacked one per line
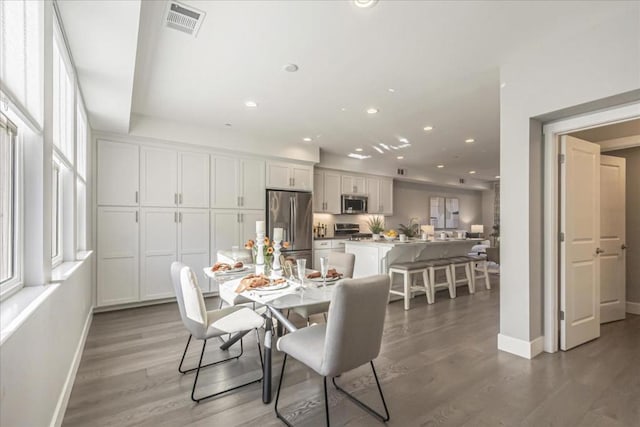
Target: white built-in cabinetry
<point>352,184</point>
<point>237,183</point>
<point>324,248</point>
<point>118,173</point>
<point>289,176</point>
<point>380,192</point>
<point>326,191</point>
<point>329,185</point>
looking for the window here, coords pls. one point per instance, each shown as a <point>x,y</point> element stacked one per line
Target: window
<point>56,214</point>
<point>9,268</point>
<point>81,141</point>
<point>63,99</point>
<point>81,216</point>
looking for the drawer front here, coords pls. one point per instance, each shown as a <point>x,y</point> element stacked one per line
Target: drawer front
<point>322,244</point>
<point>338,244</point>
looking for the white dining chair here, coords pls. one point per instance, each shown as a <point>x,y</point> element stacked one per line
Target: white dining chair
<point>351,338</point>
<point>203,325</point>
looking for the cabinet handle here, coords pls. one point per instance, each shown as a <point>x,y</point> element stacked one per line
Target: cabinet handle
<point>180,217</point>
<point>175,217</point>
<point>241,200</point>
<point>180,198</point>
<point>136,197</point>
<point>136,216</point>
<point>175,198</point>
<point>355,188</point>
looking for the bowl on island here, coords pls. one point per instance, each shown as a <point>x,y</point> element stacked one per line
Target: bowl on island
<point>389,238</point>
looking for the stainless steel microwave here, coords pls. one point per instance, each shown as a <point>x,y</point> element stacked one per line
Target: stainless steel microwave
<point>354,204</point>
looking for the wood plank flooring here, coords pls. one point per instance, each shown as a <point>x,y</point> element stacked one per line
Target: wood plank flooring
<point>439,366</point>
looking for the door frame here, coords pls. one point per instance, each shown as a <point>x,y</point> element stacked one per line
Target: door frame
<point>551,215</point>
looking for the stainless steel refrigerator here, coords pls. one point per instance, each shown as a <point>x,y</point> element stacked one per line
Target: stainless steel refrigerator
<point>293,212</point>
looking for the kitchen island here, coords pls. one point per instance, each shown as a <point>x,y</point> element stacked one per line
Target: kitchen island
<point>374,256</point>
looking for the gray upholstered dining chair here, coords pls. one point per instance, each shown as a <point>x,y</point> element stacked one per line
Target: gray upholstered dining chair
<point>203,324</point>
<point>343,263</point>
<point>351,337</point>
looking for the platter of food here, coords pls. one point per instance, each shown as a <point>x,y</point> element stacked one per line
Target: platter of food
<point>332,276</point>
<point>260,282</point>
<point>225,268</point>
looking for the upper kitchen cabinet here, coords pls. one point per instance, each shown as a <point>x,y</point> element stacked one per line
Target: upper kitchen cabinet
<point>289,176</point>
<point>353,185</point>
<point>386,196</point>
<point>117,173</point>
<point>194,180</point>
<point>373,191</point>
<point>326,192</point>
<point>159,177</point>
<point>237,183</point>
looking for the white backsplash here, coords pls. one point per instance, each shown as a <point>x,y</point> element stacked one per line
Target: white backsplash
<point>330,220</point>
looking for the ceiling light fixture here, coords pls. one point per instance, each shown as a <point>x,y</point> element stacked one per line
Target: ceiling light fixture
<point>378,149</point>
<point>358,156</point>
<point>428,128</point>
<point>497,176</point>
<point>292,68</point>
<point>365,3</point>
<point>385,146</point>
<point>404,145</point>
<point>391,90</point>
<point>358,149</point>
<point>400,157</point>
<point>470,141</point>
<point>306,139</point>
<point>372,110</point>
<point>440,166</point>
<point>251,104</point>
<point>343,109</point>
<point>403,140</point>
<point>472,172</point>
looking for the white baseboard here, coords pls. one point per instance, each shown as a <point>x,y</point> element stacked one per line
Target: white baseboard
<point>633,307</point>
<point>63,400</point>
<point>522,348</point>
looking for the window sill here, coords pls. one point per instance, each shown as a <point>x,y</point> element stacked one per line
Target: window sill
<point>66,269</point>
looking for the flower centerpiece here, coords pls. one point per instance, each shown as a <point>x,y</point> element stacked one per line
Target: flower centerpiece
<point>268,249</point>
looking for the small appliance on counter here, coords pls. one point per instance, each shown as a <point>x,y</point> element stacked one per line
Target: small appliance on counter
<point>349,231</point>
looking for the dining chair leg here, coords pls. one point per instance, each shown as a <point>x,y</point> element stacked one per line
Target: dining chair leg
<point>326,401</point>
<point>386,417</point>
<point>209,364</point>
<point>275,406</point>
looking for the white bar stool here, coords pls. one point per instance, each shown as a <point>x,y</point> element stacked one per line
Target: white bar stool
<point>407,269</point>
<point>434,266</point>
<point>458,262</point>
<point>479,263</point>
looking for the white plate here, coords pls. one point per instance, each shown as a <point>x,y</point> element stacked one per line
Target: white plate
<point>271,287</point>
<point>319,279</point>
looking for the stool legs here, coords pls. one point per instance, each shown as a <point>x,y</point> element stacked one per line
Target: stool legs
<point>428,286</point>
<point>452,283</point>
<point>472,285</point>
<point>407,290</point>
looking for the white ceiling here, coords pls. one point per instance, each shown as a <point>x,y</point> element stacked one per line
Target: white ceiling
<point>441,58</point>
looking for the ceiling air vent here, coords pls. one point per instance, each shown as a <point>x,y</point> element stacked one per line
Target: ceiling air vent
<point>461,180</point>
<point>401,171</point>
<point>183,18</point>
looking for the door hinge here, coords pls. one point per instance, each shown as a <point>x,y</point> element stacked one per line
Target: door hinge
<point>561,158</point>
<point>561,315</point>
<point>561,236</point>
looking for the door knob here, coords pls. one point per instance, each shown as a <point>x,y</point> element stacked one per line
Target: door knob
<point>599,251</point>
<point>623,247</point>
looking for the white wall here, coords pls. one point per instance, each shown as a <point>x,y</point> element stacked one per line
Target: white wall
<point>601,61</point>
<point>39,358</point>
<point>488,200</point>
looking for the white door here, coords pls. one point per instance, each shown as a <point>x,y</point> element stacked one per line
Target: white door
<point>386,197</point>
<point>318,192</point>
<point>194,180</point>
<point>158,249</point>
<point>193,242</point>
<point>612,239</point>
<point>373,192</point>
<point>579,252</point>
<point>117,173</point>
<point>253,184</point>
<point>278,175</point>
<point>302,177</point>
<point>117,255</point>
<point>159,177</point>
<point>225,182</point>
<point>332,193</point>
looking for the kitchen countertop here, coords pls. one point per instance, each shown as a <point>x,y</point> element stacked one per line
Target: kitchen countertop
<point>331,238</point>
<point>411,242</point>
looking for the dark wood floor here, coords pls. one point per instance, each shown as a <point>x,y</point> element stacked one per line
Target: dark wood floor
<point>438,366</point>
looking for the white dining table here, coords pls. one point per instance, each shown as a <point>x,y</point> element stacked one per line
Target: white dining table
<point>292,296</point>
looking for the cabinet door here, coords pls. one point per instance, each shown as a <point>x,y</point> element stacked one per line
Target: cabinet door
<point>302,177</point>
<point>318,191</point>
<point>117,237</point>
<point>386,196</point>
<point>194,180</point>
<point>158,241</point>
<point>248,225</point>
<point>359,186</point>
<point>193,242</point>
<point>278,175</point>
<point>225,182</point>
<point>332,193</point>
<point>253,193</point>
<point>117,173</point>
<point>225,231</point>
<point>373,192</point>
<point>347,184</point>
<point>317,254</point>
<point>159,177</point>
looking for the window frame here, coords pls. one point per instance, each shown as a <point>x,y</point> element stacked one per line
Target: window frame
<point>16,281</point>
<point>57,203</point>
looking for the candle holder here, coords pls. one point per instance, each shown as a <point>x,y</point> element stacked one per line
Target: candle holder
<point>260,244</point>
<point>276,256</point>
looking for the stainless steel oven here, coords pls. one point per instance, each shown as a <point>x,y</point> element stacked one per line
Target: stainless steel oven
<point>354,204</point>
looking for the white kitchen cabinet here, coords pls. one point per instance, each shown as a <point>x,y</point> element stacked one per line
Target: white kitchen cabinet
<point>117,244</point>
<point>289,176</point>
<point>158,249</point>
<point>326,192</point>
<point>248,225</point>
<point>386,196</point>
<point>353,184</point>
<point>193,180</point>
<point>159,177</point>
<point>193,242</point>
<point>324,248</point>
<point>117,170</point>
<point>237,183</point>
<point>225,231</point>
<point>373,192</point>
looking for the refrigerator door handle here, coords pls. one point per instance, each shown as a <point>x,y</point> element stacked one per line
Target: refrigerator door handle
<point>293,221</point>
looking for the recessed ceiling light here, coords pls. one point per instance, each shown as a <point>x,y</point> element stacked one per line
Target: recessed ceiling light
<point>400,157</point>
<point>358,149</point>
<point>428,128</point>
<point>472,172</point>
<point>358,156</point>
<point>343,109</point>
<point>470,141</point>
<point>391,90</point>
<point>497,176</point>
<point>404,145</point>
<point>440,166</point>
<point>503,85</point>
<point>372,110</point>
<point>403,140</point>
<point>292,68</point>
<point>378,149</point>
<point>306,139</point>
<point>251,104</point>
<point>365,3</point>
<point>385,146</point>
